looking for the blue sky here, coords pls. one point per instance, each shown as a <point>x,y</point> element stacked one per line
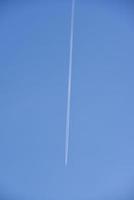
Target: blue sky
<point>34,56</point>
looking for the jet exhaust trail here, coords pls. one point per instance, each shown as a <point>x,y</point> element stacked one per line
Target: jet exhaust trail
<point>69,83</point>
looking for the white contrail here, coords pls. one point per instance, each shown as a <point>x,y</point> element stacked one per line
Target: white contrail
<point>69,83</point>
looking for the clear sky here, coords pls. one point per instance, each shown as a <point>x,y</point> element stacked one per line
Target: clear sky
<point>34,57</point>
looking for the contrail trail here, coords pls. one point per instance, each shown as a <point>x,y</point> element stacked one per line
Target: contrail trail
<point>69,83</point>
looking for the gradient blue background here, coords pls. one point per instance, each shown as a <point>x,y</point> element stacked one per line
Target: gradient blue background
<point>34,56</point>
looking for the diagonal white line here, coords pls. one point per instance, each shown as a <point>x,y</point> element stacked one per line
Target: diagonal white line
<point>69,83</point>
